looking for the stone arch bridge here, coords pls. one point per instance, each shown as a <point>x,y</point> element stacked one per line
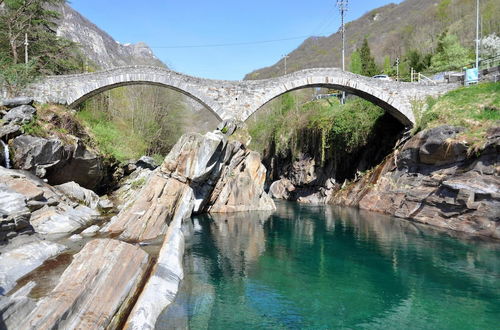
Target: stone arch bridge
<point>236,99</point>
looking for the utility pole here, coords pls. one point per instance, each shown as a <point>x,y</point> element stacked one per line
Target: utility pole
<point>477,35</point>
<point>342,5</point>
<point>26,44</point>
<point>285,57</point>
<point>397,69</point>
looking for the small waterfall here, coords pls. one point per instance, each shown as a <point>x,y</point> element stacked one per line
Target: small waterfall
<point>6,154</point>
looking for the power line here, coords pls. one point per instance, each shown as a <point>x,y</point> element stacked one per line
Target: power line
<point>231,44</point>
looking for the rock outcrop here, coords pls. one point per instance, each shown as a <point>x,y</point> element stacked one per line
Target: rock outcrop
<point>28,204</point>
<point>201,173</point>
<point>57,161</point>
<point>433,180</point>
<point>95,291</point>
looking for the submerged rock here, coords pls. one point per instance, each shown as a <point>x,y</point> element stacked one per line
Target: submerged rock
<point>95,291</point>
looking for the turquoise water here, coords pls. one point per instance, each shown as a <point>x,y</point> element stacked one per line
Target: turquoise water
<point>320,267</point>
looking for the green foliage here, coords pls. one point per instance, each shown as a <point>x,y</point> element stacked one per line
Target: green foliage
<point>356,63</point>
<point>16,76</point>
<point>48,53</point>
<point>34,128</point>
<point>138,183</point>
<point>477,108</point>
<point>443,10</point>
<point>341,127</point>
<point>450,55</point>
<point>143,120</point>
<point>368,65</point>
<point>113,139</point>
<point>417,60</point>
<point>388,68</point>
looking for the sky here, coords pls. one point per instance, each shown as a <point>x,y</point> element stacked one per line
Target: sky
<point>264,30</point>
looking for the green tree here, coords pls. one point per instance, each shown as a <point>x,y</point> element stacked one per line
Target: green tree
<point>356,63</point>
<point>417,60</point>
<point>48,53</point>
<point>388,67</point>
<point>368,65</point>
<point>450,54</point>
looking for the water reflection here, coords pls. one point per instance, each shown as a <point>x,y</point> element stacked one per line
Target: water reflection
<point>325,267</point>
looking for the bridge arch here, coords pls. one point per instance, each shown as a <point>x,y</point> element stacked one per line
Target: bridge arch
<point>237,99</point>
<point>380,93</point>
<point>82,98</point>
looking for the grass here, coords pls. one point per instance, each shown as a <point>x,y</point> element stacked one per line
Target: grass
<point>476,108</point>
<point>112,138</point>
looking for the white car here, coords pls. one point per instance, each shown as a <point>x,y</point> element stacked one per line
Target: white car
<point>382,77</point>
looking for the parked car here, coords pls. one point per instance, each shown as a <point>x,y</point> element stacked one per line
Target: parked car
<point>382,77</point>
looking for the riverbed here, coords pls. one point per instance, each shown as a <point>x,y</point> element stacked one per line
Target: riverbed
<point>324,267</point>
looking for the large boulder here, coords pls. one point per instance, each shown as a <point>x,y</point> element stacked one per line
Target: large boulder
<point>58,162</point>
<point>95,291</point>
<point>436,147</point>
<point>79,194</point>
<point>84,167</point>
<point>17,101</point>
<point>20,115</point>
<point>153,209</point>
<point>195,156</point>
<point>10,131</point>
<point>38,155</point>
<point>281,189</point>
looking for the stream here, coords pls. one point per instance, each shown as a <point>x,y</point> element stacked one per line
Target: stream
<point>324,267</point>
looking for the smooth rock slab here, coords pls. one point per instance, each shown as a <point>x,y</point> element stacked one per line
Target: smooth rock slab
<point>148,217</point>
<point>22,260</point>
<point>162,286</point>
<point>62,219</point>
<point>95,290</point>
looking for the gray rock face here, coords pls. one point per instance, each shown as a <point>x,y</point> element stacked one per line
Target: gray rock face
<point>435,183</point>
<point>37,155</point>
<point>62,219</point>
<point>17,101</point>
<point>14,309</point>
<point>10,131</point>
<point>146,162</point>
<point>59,163</point>
<point>83,167</point>
<point>435,146</point>
<point>20,115</point>
<point>99,46</point>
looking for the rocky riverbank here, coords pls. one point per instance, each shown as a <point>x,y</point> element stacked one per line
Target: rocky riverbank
<point>140,248</point>
<point>432,177</point>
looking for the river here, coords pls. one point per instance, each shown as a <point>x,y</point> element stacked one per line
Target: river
<point>323,267</point>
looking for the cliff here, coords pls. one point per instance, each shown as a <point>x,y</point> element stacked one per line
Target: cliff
<point>98,46</point>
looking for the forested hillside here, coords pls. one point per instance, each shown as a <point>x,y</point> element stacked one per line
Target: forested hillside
<point>394,31</point>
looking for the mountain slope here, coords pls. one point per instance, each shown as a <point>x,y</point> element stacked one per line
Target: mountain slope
<point>392,30</point>
<point>98,46</point>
